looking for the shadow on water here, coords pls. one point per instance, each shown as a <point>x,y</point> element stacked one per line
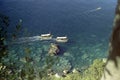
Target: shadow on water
<point>62,50</point>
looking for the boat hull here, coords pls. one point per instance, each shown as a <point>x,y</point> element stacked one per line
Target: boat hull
<point>62,41</point>
<point>46,38</point>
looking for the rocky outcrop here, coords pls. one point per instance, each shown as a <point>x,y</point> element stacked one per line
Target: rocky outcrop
<point>112,68</point>
<point>54,49</point>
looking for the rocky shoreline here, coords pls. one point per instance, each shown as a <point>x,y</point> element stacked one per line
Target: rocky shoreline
<point>43,59</point>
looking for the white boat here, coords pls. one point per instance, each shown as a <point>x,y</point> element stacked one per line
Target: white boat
<point>46,36</point>
<point>62,39</point>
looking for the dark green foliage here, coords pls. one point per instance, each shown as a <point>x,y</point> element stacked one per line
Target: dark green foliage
<point>18,28</point>
<point>27,72</point>
<point>8,71</point>
<point>50,60</point>
<point>4,23</point>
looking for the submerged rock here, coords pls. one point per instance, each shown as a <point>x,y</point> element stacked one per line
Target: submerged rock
<point>62,66</point>
<point>54,49</point>
<point>45,48</point>
<point>85,56</point>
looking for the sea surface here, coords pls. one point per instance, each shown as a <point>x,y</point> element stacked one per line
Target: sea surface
<point>86,23</point>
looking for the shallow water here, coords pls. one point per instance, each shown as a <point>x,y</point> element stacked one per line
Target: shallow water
<point>87,28</point>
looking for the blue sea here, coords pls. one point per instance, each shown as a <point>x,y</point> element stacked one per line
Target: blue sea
<point>87,24</point>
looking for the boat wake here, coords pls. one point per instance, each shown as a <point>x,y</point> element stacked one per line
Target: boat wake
<point>42,37</point>
<point>26,39</point>
<point>92,10</point>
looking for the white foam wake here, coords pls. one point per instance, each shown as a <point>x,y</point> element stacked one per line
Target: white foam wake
<point>26,39</point>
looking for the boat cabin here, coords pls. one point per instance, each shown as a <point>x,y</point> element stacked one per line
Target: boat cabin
<point>62,39</point>
<point>45,36</point>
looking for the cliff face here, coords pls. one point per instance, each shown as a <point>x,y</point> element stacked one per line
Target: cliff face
<point>112,69</point>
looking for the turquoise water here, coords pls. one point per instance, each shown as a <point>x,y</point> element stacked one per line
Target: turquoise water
<point>87,28</point>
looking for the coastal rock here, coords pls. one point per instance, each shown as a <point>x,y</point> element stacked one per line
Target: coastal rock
<point>75,70</point>
<point>54,49</point>
<point>104,60</point>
